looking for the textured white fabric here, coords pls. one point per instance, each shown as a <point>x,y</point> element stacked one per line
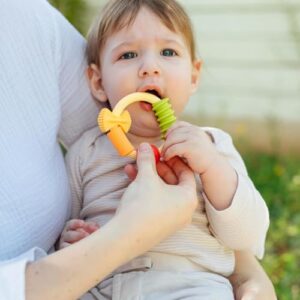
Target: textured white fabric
<point>98,182</point>
<point>11,274</point>
<point>43,96</point>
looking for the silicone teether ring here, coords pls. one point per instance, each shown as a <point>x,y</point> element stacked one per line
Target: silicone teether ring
<point>117,122</point>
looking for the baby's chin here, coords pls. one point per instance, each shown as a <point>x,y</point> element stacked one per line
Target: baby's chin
<point>148,133</point>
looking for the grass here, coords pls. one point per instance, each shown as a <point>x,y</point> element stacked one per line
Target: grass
<point>278,179</point>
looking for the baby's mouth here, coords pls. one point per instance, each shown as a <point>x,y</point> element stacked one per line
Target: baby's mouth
<point>146,105</point>
<point>154,92</point>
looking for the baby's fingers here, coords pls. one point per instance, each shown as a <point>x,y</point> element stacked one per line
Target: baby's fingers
<point>174,139</point>
<point>74,224</point>
<point>72,236</point>
<point>177,125</point>
<point>175,150</point>
<point>177,136</point>
<point>90,227</point>
<point>130,171</point>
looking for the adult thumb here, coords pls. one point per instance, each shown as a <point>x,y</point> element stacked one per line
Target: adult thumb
<point>145,161</point>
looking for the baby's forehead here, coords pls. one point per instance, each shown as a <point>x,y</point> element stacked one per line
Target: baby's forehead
<point>144,20</point>
<point>142,17</point>
<point>136,29</point>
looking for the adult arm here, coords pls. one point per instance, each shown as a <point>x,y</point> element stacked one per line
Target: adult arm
<point>78,110</point>
<point>69,273</point>
<point>249,280</point>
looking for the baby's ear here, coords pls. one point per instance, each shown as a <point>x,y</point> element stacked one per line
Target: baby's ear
<point>196,68</point>
<point>95,82</point>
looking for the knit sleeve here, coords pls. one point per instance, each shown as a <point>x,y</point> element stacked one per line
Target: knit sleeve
<point>73,164</point>
<point>244,224</point>
<point>78,109</point>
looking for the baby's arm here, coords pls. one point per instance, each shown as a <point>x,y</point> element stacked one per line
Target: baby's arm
<point>219,179</point>
<point>249,279</point>
<point>237,213</point>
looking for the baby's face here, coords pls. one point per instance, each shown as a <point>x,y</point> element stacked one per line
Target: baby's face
<point>147,56</point>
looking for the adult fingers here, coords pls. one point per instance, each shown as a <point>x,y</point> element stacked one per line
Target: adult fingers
<point>163,170</point>
<point>145,161</point>
<point>166,173</point>
<point>183,172</point>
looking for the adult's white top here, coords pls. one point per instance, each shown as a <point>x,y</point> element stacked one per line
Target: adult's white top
<point>43,97</point>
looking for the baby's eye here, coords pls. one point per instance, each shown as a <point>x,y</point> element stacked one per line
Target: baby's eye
<point>168,52</point>
<point>128,55</point>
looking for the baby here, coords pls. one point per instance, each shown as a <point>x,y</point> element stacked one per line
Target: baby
<point>148,46</point>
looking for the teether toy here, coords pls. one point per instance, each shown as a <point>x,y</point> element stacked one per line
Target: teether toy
<point>117,122</point>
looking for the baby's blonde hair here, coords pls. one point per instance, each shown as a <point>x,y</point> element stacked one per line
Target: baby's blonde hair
<point>118,14</point>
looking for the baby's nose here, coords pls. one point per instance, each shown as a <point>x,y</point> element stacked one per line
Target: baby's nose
<point>149,67</point>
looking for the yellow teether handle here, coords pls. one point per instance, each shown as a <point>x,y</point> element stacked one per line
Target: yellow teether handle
<point>134,97</point>
<point>108,120</point>
<point>120,141</point>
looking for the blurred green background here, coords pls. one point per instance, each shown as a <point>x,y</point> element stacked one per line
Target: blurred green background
<point>274,169</point>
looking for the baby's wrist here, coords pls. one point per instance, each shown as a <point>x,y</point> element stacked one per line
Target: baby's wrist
<point>211,165</point>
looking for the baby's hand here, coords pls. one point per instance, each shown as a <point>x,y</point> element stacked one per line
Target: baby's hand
<point>191,143</point>
<point>74,231</point>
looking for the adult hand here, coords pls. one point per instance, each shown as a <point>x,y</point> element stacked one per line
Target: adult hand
<point>150,210</point>
<point>163,168</point>
<point>154,208</point>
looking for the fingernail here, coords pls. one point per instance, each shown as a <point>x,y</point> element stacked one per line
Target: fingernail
<point>144,147</point>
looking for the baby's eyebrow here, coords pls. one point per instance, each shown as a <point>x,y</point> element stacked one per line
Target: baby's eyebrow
<point>123,45</point>
<point>172,41</point>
